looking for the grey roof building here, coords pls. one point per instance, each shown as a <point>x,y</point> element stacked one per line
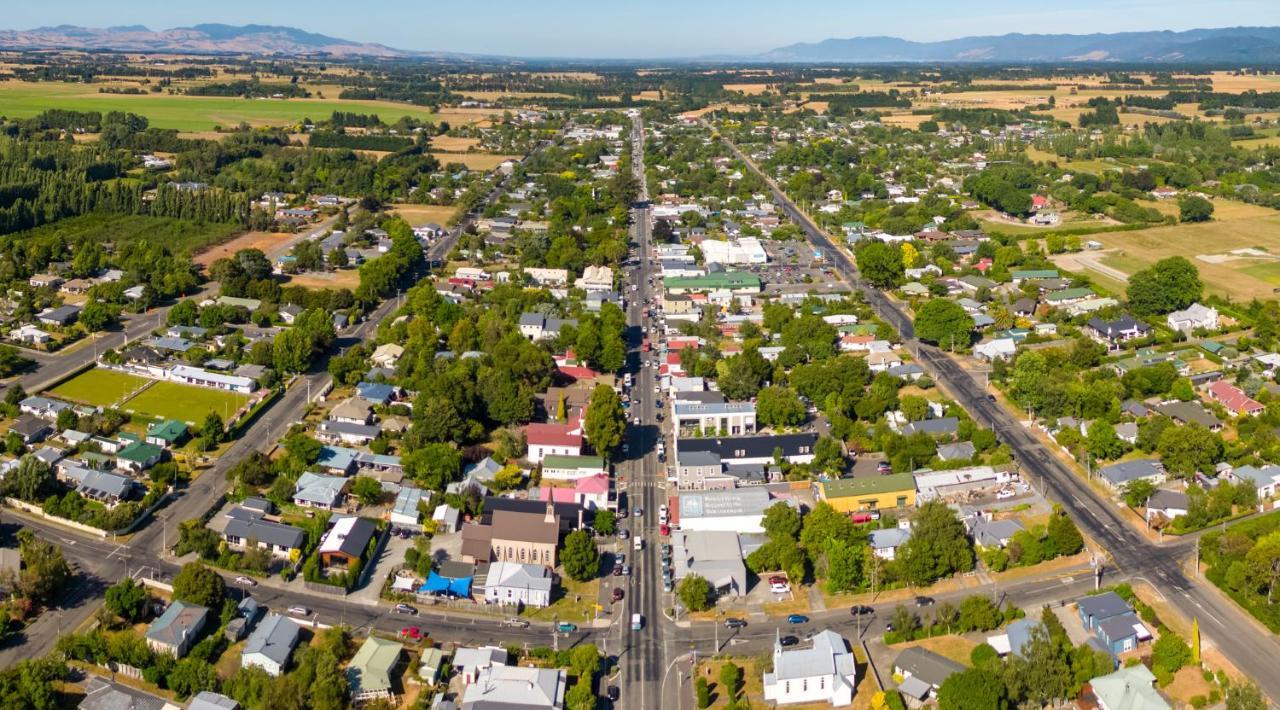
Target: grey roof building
<point>208,700</point>
<point>271,644</point>
<point>929,667</point>
<point>248,524</point>
<point>946,426</point>
<point>959,451</point>
<point>176,630</point>
<point>102,694</point>
<point>1120,474</point>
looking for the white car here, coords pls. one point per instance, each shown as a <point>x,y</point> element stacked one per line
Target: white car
<point>299,611</point>
<point>780,588</point>
<point>247,581</point>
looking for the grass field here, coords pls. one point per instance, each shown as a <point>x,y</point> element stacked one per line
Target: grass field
<point>418,215</point>
<point>99,388</point>
<point>1235,226</point>
<point>188,403</point>
<point>474,161</point>
<point>188,113</point>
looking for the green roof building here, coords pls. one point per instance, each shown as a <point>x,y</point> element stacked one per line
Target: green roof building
<point>139,456</point>
<point>170,432</point>
<point>1068,295</point>
<point>369,672</point>
<point>896,490</point>
<point>1026,274</point>
<point>736,281</point>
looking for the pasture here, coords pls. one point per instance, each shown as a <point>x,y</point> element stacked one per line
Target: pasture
<point>474,161</point>
<point>20,99</point>
<point>99,388</point>
<point>1238,253</point>
<point>188,403</point>
<point>418,215</point>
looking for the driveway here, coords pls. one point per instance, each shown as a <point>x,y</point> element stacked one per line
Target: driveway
<point>392,557</point>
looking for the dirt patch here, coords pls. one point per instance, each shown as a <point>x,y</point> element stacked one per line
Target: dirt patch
<point>957,648</point>
<point>454,144</point>
<point>1187,684</point>
<point>417,215</point>
<point>345,278</point>
<point>268,242</point>
<point>474,161</point>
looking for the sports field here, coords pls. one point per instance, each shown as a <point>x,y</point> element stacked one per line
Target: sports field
<point>99,388</point>
<point>188,403</point>
<point>19,99</point>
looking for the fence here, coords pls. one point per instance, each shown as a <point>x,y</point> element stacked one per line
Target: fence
<point>37,510</point>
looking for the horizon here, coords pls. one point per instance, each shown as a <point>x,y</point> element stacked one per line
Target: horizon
<point>629,33</point>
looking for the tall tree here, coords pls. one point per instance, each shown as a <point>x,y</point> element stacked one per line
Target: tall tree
<point>580,558</point>
<point>606,421</point>
<point>938,546</point>
<point>1168,285</point>
<point>945,323</point>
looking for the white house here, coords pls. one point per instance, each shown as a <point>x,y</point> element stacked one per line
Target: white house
<point>998,349</point>
<point>1194,316</point>
<point>822,672</point>
<point>515,583</point>
<point>271,644</point>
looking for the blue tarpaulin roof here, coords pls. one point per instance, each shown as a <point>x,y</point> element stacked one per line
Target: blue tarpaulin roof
<point>460,586</point>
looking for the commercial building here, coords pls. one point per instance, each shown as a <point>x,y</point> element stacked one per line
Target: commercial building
<point>848,495</point>
<point>740,510</point>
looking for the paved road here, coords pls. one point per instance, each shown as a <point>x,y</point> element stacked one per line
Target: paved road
<point>1246,644</point>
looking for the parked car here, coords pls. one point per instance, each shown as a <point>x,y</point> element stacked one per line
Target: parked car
<point>780,588</point>
<point>618,594</point>
<point>735,623</point>
<point>626,570</point>
<point>797,619</point>
<point>411,632</point>
<point>924,601</point>
<point>861,610</point>
<point>565,627</point>
<point>623,534</point>
<point>247,581</point>
<point>664,529</point>
<point>777,579</point>
<point>405,609</point>
<point>637,512</point>
<point>788,641</point>
<point>299,611</point>
<point>617,570</point>
<point>620,558</point>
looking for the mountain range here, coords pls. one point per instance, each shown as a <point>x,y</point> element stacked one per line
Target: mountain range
<point>200,39</point>
<point>1243,45</point>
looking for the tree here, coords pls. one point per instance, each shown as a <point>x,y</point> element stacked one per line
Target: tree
<point>781,521</point>
<point>184,312</point>
<point>606,421</point>
<point>97,316</point>
<point>433,465</point>
<point>1190,448</point>
<point>1062,534</point>
<point>213,430</point>
<point>127,599</point>
<point>1168,285</point>
<point>1245,696</point>
<point>367,490</point>
<point>731,679</point>
<point>778,407</point>
<point>879,263</point>
<point>702,689</point>
<point>695,593</point>
<point>580,557</point>
<point>846,563</point>
<point>44,570</point>
<point>190,676</point>
<point>579,696</point>
<point>944,322</point>
<point>198,584</point>
<point>973,689</point>
<point>1103,442</point>
<point>32,480</point>
<point>1194,208</point>
<point>1040,675</point>
<point>978,613</point>
<point>605,522</point>
<point>1170,652</point>
<point>938,546</point>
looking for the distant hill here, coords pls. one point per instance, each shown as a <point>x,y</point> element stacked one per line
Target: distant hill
<point>201,39</point>
<point>1246,45</point>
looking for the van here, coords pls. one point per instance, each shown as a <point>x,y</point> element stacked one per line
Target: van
<point>626,379</point>
<point>638,544</point>
<point>637,622</point>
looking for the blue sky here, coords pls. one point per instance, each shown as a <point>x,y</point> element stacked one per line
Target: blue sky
<point>650,28</point>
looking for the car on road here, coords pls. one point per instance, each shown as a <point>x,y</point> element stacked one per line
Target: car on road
<point>620,558</point>
<point>735,623</point>
<point>617,570</point>
<point>623,534</point>
<point>924,601</point>
<point>626,570</point>
<point>411,632</point>
<point>617,594</point>
<point>299,611</point>
<point>565,627</point>
<point>664,529</point>
<point>614,694</point>
<point>861,610</point>
<point>516,623</point>
<point>797,619</point>
<point>637,512</point>
<point>884,468</point>
<point>636,421</point>
<point>247,581</point>
<point>785,641</point>
<point>405,609</point>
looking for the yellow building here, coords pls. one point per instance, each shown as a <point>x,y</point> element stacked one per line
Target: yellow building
<point>849,495</point>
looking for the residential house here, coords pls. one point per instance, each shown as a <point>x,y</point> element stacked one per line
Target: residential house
<point>824,671</point>
<point>1234,399</point>
<point>1167,504</point>
<point>591,493</point>
<point>346,432</point>
<point>1192,317</point>
<point>209,700</point>
<point>553,439</point>
<point>168,433</point>
<point>991,534</point>
<point>998,349</point>
<point>102,694</point>
<point>1129,688</point>
<point>177,629</point>
<point>945,427</point>
<point>346,541</point>
<point>885,543</point>
<point>516,583</point>
<point>883,361</point>
<point>1114,333</point>
<point>516,688</point>
<point>352,410</point>
<point>139,456</point>
<point>470,662</point>
<point>1265,479</point>
<point>314,490</point>
<point>61,316</point>
<point>1118,475</point>
<point>1188,412</point>
<point>539,326</point>
<point>959,451</point>
<point>387,355</point>
<point>282,541</point>
<point>572,468</point>
<point>405,512</point>
<point>271,644</point>
<point>31,429</point>
<point>923,672</point>
<point>369,674</point>
<point>42,407</point>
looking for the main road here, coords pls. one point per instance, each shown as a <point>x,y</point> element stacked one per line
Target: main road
<point>1239,637</point>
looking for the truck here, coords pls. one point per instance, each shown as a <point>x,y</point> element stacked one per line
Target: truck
<point>637,622</point>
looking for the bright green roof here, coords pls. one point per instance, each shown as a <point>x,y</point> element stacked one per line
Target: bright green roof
<point>370,669</point>
<point>573,462</point>
<point>169,430</point>
<point>869,485</point>
<point>1036,274</point>
<point>1212,346</point>
<point>140,452</point>
<point>1069,294</point>
<point>719,279</point>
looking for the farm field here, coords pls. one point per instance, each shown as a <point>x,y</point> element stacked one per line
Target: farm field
<point>267,242</point>
<point>195,113</point>
<point>454,144</point>
<point>418,215</point>
<point>99,388</point>
<point>344,278</point>
<point>1238,253</point>
<point>188,403</point>
<point>474,161</point>
<point>1088,166</point>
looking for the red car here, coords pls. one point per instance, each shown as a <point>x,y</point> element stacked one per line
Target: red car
<point>664,529</point>
<point>617,594</point>
<point>777,580</point>
<point>411,632</point>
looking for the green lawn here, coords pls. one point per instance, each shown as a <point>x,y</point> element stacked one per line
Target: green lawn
<point>20,99</point>
<point>99,388</point>
<point>1268,271</point>
<point>188,403</point>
